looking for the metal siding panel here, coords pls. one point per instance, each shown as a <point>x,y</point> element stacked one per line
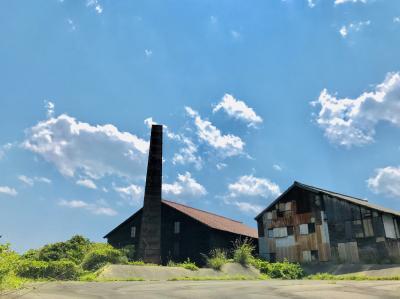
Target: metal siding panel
<point>389,226</point>
<point>262,245</point>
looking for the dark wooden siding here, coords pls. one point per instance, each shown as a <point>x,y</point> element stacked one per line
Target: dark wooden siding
<point>122,235</point>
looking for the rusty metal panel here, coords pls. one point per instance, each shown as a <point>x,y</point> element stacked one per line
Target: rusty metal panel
<point>324,252</point>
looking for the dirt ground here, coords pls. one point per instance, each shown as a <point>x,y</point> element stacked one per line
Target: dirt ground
<point>212,289</point>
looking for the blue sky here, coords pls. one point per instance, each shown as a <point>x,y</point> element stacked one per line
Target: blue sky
<point>253,94</point>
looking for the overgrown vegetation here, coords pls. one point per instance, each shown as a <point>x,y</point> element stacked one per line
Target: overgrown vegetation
<point>216,258</point>
<point>243,252</point>
<point>188,264</point>
<point>282,270</point>
<point>73,259</point>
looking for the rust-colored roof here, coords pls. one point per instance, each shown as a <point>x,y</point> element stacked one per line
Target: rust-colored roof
<point>213,220</point>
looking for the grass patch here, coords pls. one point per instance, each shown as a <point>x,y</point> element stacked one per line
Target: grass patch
<point>357,277</point>
<point>216,259</point>
<point>225,277</point>
<point>188,264</point>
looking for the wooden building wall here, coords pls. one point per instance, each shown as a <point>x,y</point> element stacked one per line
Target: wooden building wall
<point>344,232</point>
<point>193,239</point>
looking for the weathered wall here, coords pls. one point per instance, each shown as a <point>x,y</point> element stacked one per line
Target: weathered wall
<point>295,229</point>
<point>360,234</point>
<point>344,232</point>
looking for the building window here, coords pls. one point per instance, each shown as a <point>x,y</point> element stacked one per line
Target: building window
<point>177,227</point>
<point>290,231</point>
<point>311,228</point>
<point>303,229</point>
<point>133,232</point>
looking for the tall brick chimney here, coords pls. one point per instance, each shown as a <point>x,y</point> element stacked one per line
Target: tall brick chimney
<point>150,232</point>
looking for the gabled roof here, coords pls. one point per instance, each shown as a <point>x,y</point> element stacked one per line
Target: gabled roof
<point>211,220</point>
<point>354,200</point>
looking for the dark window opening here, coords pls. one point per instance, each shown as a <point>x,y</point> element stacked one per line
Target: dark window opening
<point>272,257</point>
<point>314,255</point>
<point>311,228</point>
<point>280,213</point>
<point>290,231</point>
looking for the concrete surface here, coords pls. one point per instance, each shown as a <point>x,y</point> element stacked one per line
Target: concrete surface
<point>270,289</point>
<point>364,269</point>
<point>165,273</point>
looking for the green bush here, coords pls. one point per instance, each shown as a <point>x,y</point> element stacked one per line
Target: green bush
<point>243,252</point>
<point>73,249</point>
<point>97,258</point>
<point>216,259</point>
<point>60,270</point>
<point>8,261</point>
<point>129,251</point>
<point>283,270</point>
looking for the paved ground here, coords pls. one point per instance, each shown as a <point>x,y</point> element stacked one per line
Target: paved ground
<point>214,289</point>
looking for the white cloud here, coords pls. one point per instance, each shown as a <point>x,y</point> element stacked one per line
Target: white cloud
<point>95,4</point>
<point>249,185</point>
<point>236,34</point>
<point>149,122</point>
<point>213,19</point>
<point>132,193</point>
<point>5,148</point>
<point>311,3</point>
<point>221,166</point>
<point>87,183</point>
<point>246,192</point>
<point>184,187</point>
<point>227,145</point>
<point>187,154</point>
<point>396,20</point>
<point>31,181</point>
<point>238,109</point>
<point>97,208</point>
<point>74,146</point>
<point>49,108</point>
<point>277,167</point>
<point>350,122</point>
<point>386,181</point>
<point>26,180</point>
<point>353,27</point>
<point>148,52</point>
<point>337,2</point>
<point>248,207</point>
<point>8,191</point>
<point>72,27</point>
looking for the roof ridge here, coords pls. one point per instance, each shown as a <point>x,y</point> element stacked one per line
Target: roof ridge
<point>326,190</point>
<point>203,211</point>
